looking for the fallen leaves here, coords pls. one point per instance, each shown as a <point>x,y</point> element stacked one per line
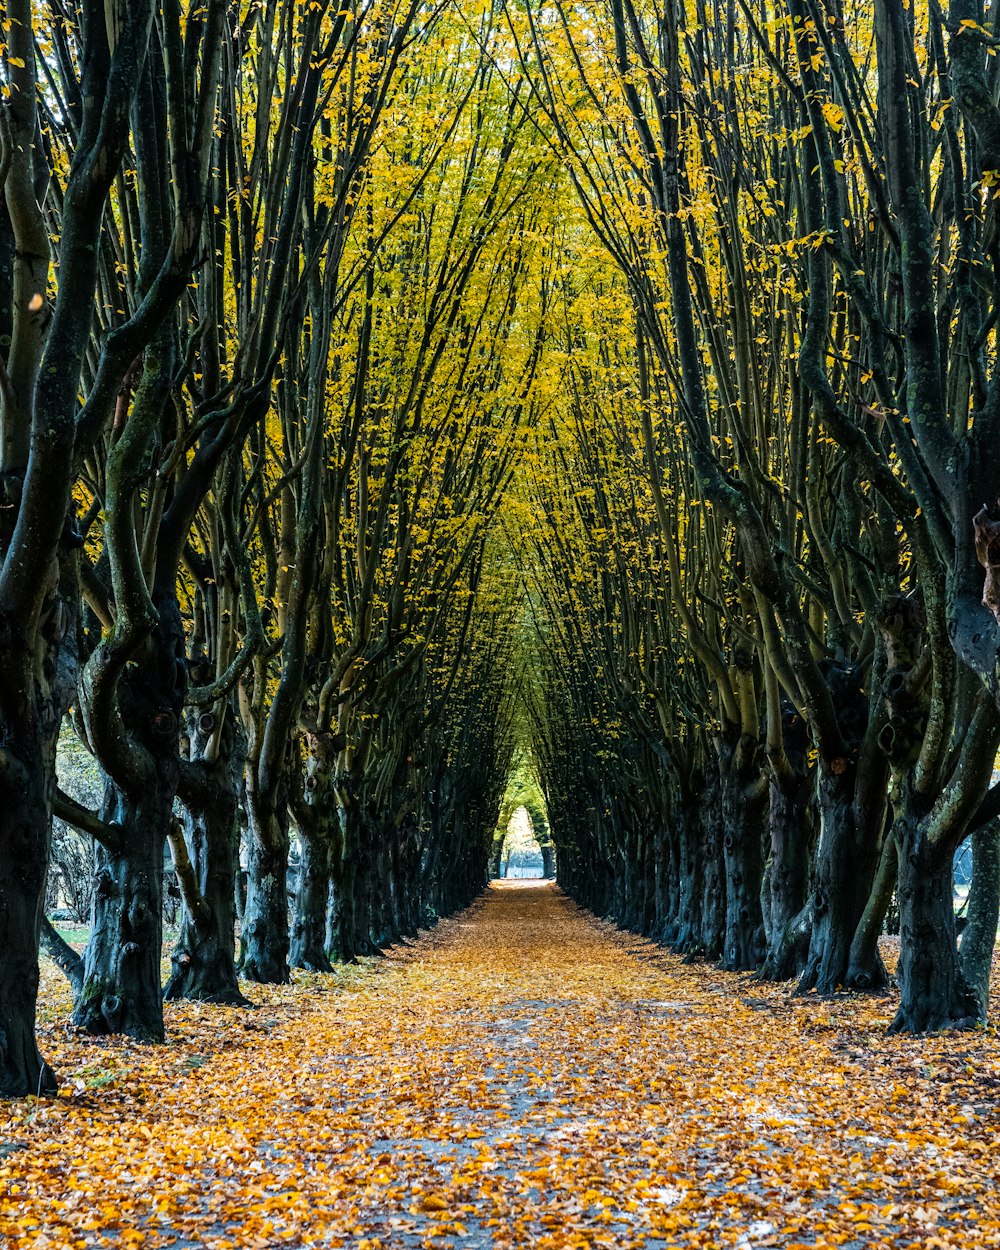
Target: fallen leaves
<point>521,1077</point>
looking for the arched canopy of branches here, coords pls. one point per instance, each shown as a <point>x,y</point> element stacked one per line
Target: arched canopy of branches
<point>410,412</point>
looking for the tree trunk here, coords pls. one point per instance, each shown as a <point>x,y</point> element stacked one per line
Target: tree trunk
<point>979,938</point>
<point>713,898</point>
<point>864,947</point>
<point>689,932</point>
<point>743,816</point>
<point>411,859</point>
<point>617,858</point>
<point>342,928</point>
<point>934,993</point>
<point>665,850</point>
<point>204,959</point>
<point>139,751</point>
<point>308,936</point>
<point>383,921</point>
<point>37,684</point>
<point>844,871</point>
<point>62,954</point>
<point>405,889</point>
<point>790,826</point>
<point>368,884</point>
<point>121,990</point>
<point>396,887</point>
<point>350,872</point>
<point>25,804</point>
<point>647,846</point>
<point>264,943</point>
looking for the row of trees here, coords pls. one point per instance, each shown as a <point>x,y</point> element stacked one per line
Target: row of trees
<point>262,390</point>
<point>767,691</point>
<point>393,390</point>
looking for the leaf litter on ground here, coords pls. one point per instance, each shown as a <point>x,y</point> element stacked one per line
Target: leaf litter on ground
<point>525,1075</point>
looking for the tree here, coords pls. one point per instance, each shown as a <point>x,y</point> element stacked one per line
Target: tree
<point>47,336</point>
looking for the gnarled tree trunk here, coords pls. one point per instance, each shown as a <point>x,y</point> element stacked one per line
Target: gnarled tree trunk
<point>26,773</point>
<point>934,993</point>
<point>743,813</point>
<point>713,896</point>
<point>265,939</point>
<point>121,977</point>
<point>31,709</point>
<point>204,958</point>
<point>309,907</point>
<point>792,835</point>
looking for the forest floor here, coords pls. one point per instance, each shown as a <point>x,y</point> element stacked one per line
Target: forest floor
<point>524,1076</point>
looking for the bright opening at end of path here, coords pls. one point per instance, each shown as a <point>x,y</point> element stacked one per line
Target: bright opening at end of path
<point>521,855</point>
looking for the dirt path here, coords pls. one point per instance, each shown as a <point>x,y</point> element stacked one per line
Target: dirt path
<point>523,1077</point>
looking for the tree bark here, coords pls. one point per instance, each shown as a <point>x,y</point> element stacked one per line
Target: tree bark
<point>204,958</point>
<point>121,990</point>
<point>844,871</point>
<point>864,948</point>
<point>308,935</point>
<point>25,798</point>
<point>689,933</point>
<point>743,803</point>
<point>265,938</point>
<point>934,993</point>
<point>350,873</point>
<point>713,904</point>
<point>37,683</point>
<point>792,836</point>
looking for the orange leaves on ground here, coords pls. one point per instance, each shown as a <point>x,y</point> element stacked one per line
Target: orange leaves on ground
<point>525,1076</point>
